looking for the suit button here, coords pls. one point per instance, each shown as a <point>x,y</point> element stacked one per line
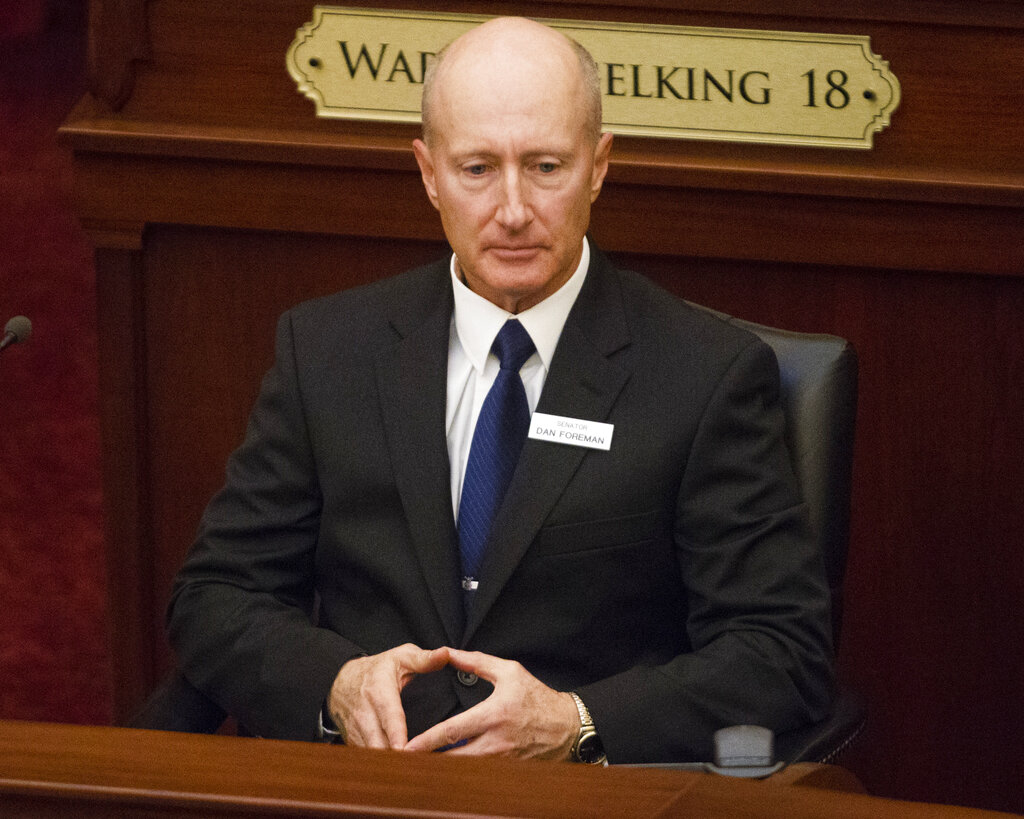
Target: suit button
<point>467,678</point>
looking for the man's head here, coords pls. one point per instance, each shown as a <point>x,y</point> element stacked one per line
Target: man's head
<point>513,157</point>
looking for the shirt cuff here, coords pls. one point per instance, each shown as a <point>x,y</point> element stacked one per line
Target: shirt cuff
<point>327,731</point>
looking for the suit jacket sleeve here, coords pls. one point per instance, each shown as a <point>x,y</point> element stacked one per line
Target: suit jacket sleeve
<point>758,603</point>
<point>241,613</point>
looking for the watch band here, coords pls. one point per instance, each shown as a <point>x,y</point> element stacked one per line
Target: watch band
<point>586,721</point>
<point>588,747</point>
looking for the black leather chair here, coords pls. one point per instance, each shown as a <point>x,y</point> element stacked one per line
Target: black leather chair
<point>177,705</point>
<point>819,391</point>
<point>819,394</point>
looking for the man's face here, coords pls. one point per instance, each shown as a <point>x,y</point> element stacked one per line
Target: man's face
<point>513,173</point>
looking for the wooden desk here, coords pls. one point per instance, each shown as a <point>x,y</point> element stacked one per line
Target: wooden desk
<point>63,770</point>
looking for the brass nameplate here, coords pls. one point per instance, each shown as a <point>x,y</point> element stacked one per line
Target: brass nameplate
<point>657,81</point>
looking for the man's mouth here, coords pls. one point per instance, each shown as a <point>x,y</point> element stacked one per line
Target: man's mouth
<point>515,252</point>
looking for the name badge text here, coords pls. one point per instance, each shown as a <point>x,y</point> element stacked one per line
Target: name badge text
<point>572,431</point>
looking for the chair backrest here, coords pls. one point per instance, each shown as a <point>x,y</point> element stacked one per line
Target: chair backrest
<point>819,396</point>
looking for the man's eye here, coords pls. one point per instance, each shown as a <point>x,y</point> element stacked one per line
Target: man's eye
<point>547,167</point>
<point>476,170</point>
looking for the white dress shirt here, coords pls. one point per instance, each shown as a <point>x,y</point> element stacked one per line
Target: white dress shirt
<point>472,367</point>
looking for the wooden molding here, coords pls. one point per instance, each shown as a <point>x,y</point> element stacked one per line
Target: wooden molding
<point>997,13</point>
<point>117,38</point>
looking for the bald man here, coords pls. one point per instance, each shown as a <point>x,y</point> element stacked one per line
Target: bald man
<point>624,602</point>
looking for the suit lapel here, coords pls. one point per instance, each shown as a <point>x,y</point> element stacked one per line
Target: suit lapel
<point>584,382</point>
<point>412,383</point>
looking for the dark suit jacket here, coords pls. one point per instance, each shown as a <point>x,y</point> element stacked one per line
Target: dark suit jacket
<point>670,581</point>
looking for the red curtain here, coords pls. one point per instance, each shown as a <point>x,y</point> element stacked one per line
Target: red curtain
<point>54,656</point>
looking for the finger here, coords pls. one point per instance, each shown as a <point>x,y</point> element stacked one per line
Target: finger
<point>390,717</point>
<point>478,746</point>
<point>374,716</point>
<point>483,665</point>
<point>452,731</point>
<point>365,730</point>
<point>471,733</point>
<point>423,661</point>
<point>385,694</point>
<point>366,702</point>
<point>377,722</point>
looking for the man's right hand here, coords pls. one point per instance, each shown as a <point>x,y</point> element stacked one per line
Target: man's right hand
<point>365,700</point>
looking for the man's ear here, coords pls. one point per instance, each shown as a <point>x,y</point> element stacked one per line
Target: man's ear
<point>426,162</point>
<point>601,152</point>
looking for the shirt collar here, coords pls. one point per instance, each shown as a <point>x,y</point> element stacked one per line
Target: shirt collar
<point>477,321</point>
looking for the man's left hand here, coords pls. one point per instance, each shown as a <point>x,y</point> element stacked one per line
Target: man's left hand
<point>521,718</point>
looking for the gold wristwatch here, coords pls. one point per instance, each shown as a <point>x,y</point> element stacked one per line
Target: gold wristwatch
<point>588,747</point>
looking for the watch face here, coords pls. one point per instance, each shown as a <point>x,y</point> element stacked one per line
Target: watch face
<point>590,749</point>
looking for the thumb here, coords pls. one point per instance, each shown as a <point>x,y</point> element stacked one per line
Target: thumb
<point>483,665</point>
<point>423,660</point>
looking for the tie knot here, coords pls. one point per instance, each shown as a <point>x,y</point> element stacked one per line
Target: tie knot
<point>512,345</point>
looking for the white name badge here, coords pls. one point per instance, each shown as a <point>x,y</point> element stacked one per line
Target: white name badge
<point>572,431</point>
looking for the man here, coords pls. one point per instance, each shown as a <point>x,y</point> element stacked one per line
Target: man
<point>650,592</point>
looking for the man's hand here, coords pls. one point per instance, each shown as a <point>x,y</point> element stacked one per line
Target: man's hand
<point>365,700</point>
<point>521,718</point>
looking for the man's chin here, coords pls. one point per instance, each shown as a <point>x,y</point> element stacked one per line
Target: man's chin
<point>512,289</point>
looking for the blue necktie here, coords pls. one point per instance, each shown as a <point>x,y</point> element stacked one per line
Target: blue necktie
<point>497,441</point>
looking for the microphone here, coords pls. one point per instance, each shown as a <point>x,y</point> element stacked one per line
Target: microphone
<point>17,329</point>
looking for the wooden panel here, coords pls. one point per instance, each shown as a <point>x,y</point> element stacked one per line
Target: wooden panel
<point>124,428</point>
<point>118,39</point>
<point>692,221</point>
<point>936,569</point>
<point>957,127</point>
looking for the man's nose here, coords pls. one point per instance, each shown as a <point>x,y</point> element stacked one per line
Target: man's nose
<point>513,209</point>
